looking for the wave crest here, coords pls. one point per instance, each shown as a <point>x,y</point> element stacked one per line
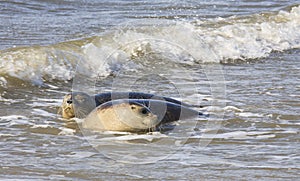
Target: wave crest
<point>210,41</point>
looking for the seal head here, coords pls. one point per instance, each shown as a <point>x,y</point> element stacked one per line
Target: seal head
<point>77,104</point>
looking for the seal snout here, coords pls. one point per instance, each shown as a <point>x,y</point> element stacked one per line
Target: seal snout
<point>69,101</point>
<point>151,121</point>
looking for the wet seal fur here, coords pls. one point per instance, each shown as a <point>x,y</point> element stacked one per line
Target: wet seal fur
<point>91,108</point>
<point>121,115</point>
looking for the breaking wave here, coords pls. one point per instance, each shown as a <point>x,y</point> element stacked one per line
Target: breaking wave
<point>219,40</point>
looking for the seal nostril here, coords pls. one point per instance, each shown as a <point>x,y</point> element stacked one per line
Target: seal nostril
<point>69,101</point>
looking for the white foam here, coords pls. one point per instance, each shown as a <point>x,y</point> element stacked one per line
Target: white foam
<point>240,135</point>
<point>81,154</point>
<point>3,82</point>
<point>213,40</point>
<point>43,113</point>
<point>254,36</point>
<point>7,135</point>
<point>96,60</point>
<point>40,126</point>
<point>14,120</point>
<point>246,134</point>
<point>66,131</point>
<point>9,101</point>
<point>34,63</point>
<point>129,136</point>
<point>243,39</point>
<point>148,137</point>
<point>214,109</point>
<point>115,132</point>
<point>233,108</point>
<point>249,114</point>
<point>40,103</point>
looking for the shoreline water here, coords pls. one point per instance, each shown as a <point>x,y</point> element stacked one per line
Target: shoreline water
<point>239,59</point>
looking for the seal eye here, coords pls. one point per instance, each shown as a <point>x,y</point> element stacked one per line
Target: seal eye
<point>69,101</point>
<point>144,111</point>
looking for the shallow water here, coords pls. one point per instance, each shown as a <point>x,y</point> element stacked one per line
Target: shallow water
<point>240,60</point>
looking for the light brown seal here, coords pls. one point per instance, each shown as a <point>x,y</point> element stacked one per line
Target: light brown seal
<point>121,115</point>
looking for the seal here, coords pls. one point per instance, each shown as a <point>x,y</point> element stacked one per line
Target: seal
<point>133,114</point>
<point>86,103</point>
<point>77,105</point>
<point>121,115</point>
<point>136,115</point>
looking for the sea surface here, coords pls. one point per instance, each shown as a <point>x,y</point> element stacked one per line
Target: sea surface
<point>238,60</point>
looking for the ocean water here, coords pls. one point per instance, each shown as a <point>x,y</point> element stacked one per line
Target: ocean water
<point>238,59</point>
